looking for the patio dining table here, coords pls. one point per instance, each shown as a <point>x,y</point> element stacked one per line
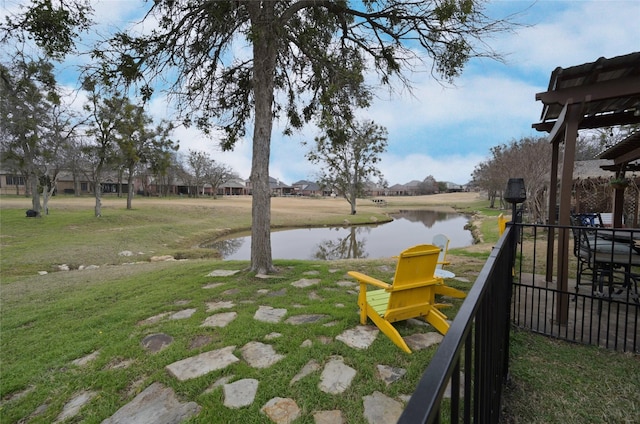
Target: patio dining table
<point>617,254</point>
<point>621,235</point>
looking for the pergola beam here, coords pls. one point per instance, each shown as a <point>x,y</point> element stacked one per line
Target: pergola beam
<point>622,87</point>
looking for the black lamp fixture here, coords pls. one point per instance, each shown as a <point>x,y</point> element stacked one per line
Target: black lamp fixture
<point>516,191</point>
<point>514,194</point>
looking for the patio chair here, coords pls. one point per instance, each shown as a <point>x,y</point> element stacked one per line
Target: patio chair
<point>411,294</point>
<point>606,261</point>
<point>582,251</point>
<point>442,242</point>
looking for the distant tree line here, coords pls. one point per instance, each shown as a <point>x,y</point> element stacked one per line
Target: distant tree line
<point>42,137</point>
<point>529,158</point>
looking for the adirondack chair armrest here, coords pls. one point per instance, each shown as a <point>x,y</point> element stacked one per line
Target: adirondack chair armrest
<point>363,278</point>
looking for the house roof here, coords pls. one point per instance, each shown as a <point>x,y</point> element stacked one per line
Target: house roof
<point>584,169</point>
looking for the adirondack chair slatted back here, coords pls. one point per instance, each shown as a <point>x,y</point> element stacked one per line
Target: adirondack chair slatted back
<point>416,265</point>
<point>412,288</point>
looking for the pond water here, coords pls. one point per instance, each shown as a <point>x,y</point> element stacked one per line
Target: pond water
<point>366,241</point>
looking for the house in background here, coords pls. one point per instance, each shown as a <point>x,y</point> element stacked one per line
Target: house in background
<point>234,187</point>
<point>308,188</point>
<point>12,183</point>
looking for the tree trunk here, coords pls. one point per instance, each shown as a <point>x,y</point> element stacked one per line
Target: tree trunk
<point>47,192</point>
<point>264,59</point>
<point>352,201</point>
<point>97,191</point>
<point>130,188</point>
<point>76,184</point>
<point>35,193</point>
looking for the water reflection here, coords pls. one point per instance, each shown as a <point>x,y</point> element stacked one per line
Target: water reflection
<point>368,241</point>
<point>347,247</point>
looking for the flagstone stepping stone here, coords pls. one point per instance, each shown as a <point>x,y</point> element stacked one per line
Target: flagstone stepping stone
<point>156,404</point>
<point>212,285</point>
<point>306,343</point>
<point>314,296</point>
<point>17,396</point>
<point>419,341</point>
<point>305,319</point>
<point>272,336</point>
<point>38,411</point>
<point>269,314</point>
<point>231,292</point>
<point>390,374</point>
<point>223,304</point>
<point>202,364</point>
<point>278,293</point>
<point>347,284</point>
<point>154,343</point>
<point>381,409</point>
<point>185,313</point>
<point>417,322</point>
<point>325,339</point>
<point>268,276</point>
<point>359,337</point>
<point>404,398</point>
<point>80,362</point>
<point>223,272</point>
<point>328,417</point>
<point>305,282</point>
<point>199,341</point>
<point>260,355</point>
<point>312,272</point>
<point>154,319</point>
<point>308,368</point>
<point>336,376</point>
<point>240,393</point>
<point>281,410</point>
<point>162,258</point>
<point>119,363</point>
<point>219,320</point>
<point>262,291</point>
<point>73,407</point>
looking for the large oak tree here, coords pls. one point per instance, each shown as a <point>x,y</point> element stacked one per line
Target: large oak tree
<point>304,57</point>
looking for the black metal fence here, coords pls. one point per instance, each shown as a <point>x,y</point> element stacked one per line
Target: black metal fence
<point>600,305</point>
<point>518,286</point>
<point>474,355</point>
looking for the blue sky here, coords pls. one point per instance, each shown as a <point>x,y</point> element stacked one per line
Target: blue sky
<point>444,131</point>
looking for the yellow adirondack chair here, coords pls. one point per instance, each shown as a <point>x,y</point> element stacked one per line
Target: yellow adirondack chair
<point>412,294</point>
<point>502,224</point>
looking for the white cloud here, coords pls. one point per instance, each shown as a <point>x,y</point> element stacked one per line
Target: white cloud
<point>444,132</point>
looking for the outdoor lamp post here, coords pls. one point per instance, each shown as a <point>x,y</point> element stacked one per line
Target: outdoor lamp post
<point>514,194</point>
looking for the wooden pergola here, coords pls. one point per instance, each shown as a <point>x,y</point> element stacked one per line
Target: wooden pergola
<point>604,93</point>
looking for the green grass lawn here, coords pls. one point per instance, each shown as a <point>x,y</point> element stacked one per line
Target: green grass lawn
<point>48,321</point>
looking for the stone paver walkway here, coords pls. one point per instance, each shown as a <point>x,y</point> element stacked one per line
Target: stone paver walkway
<point>159,404</point>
